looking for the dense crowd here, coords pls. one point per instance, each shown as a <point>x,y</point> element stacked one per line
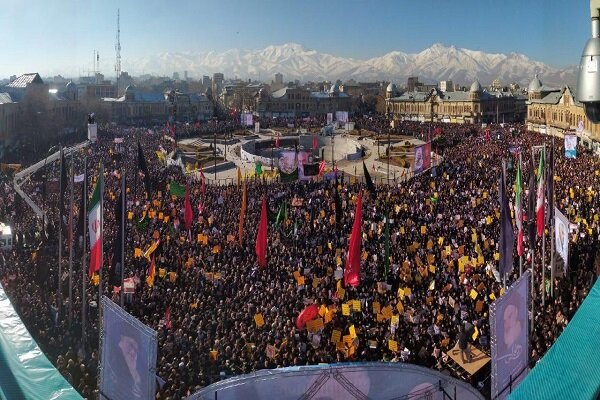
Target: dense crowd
<point>218,288</point>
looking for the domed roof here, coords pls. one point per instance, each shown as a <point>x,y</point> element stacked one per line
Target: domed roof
<point>476,86</point>
<point>71,86</point>
<point>391,88</point>
<point>130,88</point>
<point>535,85</point>
<point>334,89</point>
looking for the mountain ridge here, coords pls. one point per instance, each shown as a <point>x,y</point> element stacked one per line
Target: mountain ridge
<point>295,61</point>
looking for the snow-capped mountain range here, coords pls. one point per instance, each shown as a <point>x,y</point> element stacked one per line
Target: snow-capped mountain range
<point>294,61</point>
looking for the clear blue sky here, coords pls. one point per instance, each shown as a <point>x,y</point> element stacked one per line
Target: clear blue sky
<point>60,35</point>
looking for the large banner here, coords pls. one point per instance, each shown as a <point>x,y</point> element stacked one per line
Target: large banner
<point>570,146</point>
<point>128,357</point>
<point>509,324</point>
<point>341,116</point>
<point>561,236</point>
<point>246,119</point>
<point>288,166</point>
<point>329,118</point>
<point>422,158</point>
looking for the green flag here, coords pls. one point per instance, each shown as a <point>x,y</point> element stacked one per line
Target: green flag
<point>386,261</point>
<point>295,227</point>
<point>142,224</point>
<point>177,190</point>
<point>279,215</point>
<point>258,171</point>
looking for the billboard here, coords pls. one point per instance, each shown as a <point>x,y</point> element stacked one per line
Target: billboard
<point>509,326</point>
<point>422,158</point>
<point>561,236</point>
<point>570,146</point>
<point>128,357</point>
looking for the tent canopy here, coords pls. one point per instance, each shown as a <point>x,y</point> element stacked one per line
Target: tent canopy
<point>26,373</point>
<point>569,369</point>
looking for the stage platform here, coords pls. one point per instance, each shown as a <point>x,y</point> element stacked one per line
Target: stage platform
<point>478,361</point>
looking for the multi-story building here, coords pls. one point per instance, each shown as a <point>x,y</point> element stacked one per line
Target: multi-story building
<point>446,86</point>
<point>556,111</point>
<point>279,78</point>
<point>240,95</point>
<point>301,102</point>
<point>218,81</point>
<point>33,115</point>
<point>188,107</point>
<point>474,106</point>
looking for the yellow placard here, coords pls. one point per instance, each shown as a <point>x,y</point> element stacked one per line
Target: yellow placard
<point>162,272</point>
<point>492,296</point>
<point>497,256</point>
<point>300,281</point>
<point>440,241</point>
<point>395,320</point>
<point>172,276</point>
<point>259,319</point>
<point>213,355</point>
<point>432,269</point>
<point>376,307</point>
<point>400,307</point>
<point>352,331</point>
<point>475,333</point>
<point>345,309</point>
<point>129,215</point>
<point>315,282</point>
<point>341,292</point>
<point>322,310</point>
<point>393,345</point>
<point>355,305</point>
<point>423,229</point>
<point>473,294</point>
<point>96,279</point>
<point>137,252</point>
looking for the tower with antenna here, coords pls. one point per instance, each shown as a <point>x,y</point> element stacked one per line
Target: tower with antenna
<point>118,51</point>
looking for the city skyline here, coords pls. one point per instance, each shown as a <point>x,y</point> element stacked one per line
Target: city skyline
<point>61,39</point>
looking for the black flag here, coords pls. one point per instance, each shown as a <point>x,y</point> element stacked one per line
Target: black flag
<point>144,167</point>
<point>114,278</point>
<point>368,181</point>
<point>507,234</point>
<point>338,205</point>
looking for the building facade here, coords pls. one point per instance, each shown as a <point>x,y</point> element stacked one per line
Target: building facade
<point>301,102</point>
<point>474,106</point>
<point>555,112</point>
<point>33,115</point>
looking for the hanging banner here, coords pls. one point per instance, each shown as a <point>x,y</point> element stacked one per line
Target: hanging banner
<point>570,146</point>
<point>257,127</point>
<point>422,158</point>
<point>561,236</point>
<point>341,116</point>
<point>288,166</point>
<point>246,119</point>
<point>329,118</point>
<point>509,324</point>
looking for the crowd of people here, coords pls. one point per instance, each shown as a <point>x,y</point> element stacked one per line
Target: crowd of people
<point>209,288</point>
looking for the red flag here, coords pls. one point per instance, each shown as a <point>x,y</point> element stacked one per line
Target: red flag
<point>189,213</point>
<point>168,318</point>
<point>321,167</point>
<point>315,142</point>
<point>261,237</point>
<point>277,141</point>
<point>352,270</point>
<point>309,313</point>
<point>541,172</point>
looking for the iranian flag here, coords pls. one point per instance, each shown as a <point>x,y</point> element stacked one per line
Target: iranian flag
<point>540,196</point>
<point>95,226</point>
<point>519,209</point>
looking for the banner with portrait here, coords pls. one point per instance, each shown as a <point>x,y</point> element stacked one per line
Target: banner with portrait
<point>341,116</point>
<point>288,166</point>
<point>561,236</point>
<point>422,158</point>
<point>128,355</point>
<point>570,146</point>
<point>509,324</point>
<point>329,118</point>
<point>246,119</point>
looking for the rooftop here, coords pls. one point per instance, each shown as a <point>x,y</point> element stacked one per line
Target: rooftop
<point>25,80</point>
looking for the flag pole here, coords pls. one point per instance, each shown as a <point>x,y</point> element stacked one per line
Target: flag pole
<point>552,227</point>
<point>543,236</point>
<point>532,246</point>
<point>71,244</point>
<point>123,206</point>
<point>521,216</point>
<point>83,260</point>
<point>60,244</point>
<point>101,237</point>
